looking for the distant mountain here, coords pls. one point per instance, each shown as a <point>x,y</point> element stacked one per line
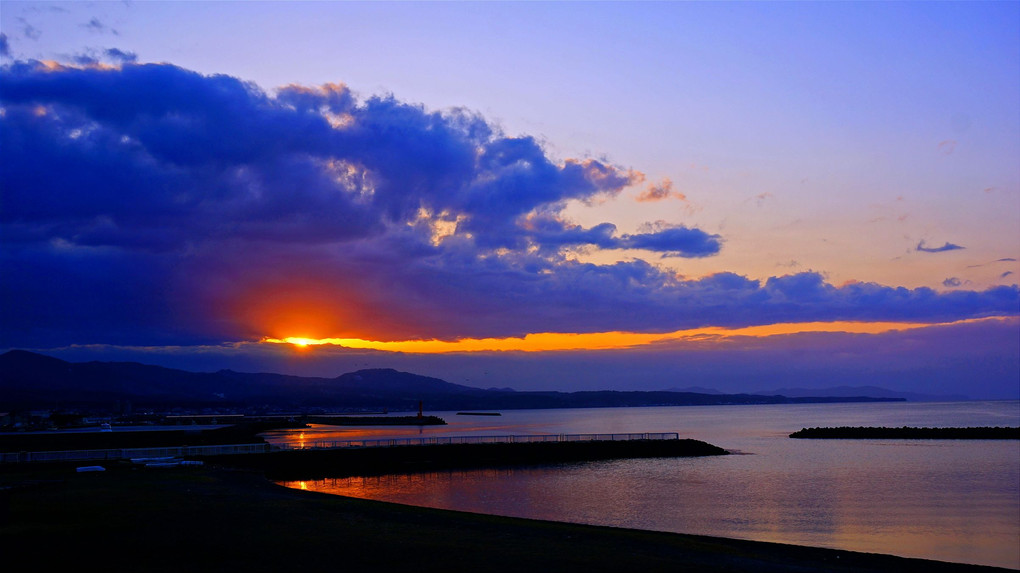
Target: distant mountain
<point>870,391</point>
<point>695,389</point>
<point>387,380</point>
<point>29,380</point>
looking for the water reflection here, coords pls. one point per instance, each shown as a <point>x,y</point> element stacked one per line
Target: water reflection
<point>306,437</point>
<point>946,500</point>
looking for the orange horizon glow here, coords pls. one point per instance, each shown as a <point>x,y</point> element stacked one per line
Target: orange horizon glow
<point>560,341</point>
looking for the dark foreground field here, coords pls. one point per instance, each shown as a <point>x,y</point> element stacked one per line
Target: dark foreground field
<point>220,519</point>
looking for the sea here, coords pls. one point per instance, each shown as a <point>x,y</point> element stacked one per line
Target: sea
<point>949,500</point>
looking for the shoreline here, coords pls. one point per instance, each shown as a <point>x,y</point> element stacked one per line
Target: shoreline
<point>218,518</point>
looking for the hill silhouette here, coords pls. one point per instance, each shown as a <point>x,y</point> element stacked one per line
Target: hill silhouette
<point>31,380</point>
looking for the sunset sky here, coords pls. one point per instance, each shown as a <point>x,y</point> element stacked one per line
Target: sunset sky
<point>563,196</point>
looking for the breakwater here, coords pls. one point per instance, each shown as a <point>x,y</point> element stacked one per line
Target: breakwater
<point>347,462</point>
<point>861,433</point>
<point>344,420</point>
<point>448,440</point>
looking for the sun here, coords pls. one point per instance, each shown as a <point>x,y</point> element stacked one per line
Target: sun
<point>302,342</point>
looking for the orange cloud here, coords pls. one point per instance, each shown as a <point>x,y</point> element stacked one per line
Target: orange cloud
<point>660,191</point>
<point>559,341</point>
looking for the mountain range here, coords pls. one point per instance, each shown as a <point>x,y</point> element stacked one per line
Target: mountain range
<point>873,391</point>
<point>839,392</point>
<point>31,380</point>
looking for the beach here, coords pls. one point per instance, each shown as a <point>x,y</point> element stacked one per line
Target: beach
<point>221,519</point>
<point>946,500</point>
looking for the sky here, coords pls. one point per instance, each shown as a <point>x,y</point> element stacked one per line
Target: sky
<point>543,196</point>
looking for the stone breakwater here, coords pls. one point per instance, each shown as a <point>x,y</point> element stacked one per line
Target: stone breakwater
<point>347,462</point>
<point>880,433</point>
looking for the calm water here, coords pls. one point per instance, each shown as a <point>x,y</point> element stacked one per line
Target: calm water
<point>946,500</point>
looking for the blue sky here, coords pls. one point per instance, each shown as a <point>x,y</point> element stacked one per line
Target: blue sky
<point>516,168</point>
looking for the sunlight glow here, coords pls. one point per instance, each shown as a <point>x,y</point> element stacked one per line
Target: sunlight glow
<point>553,341</point>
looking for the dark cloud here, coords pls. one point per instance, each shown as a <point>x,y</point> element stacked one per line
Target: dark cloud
<point>94,25</point>
<point>670,241</point>
<point>1003,260</point>
<point>120,56</point>
<point>675,242</point>
<point>95,57</point>
<point>28,30</point>
<point>5,47</point>
<point>952,282</point>
<point>85,59</point>
<point>946,247</point>
<point>1005,274</point>
<point>149,204</point>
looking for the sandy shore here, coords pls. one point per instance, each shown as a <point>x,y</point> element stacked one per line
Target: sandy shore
<point>221,519</point>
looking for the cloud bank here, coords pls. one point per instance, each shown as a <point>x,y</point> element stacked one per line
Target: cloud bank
<point>148,204</point>
<point>977,359</point>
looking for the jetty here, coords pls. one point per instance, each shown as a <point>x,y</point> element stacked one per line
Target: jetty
<point>346,420</point>
<point>440,454</point>
<point>503,439</point>
<point>908,433</point>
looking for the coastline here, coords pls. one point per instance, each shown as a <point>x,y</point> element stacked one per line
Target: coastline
<point>216,518</point>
